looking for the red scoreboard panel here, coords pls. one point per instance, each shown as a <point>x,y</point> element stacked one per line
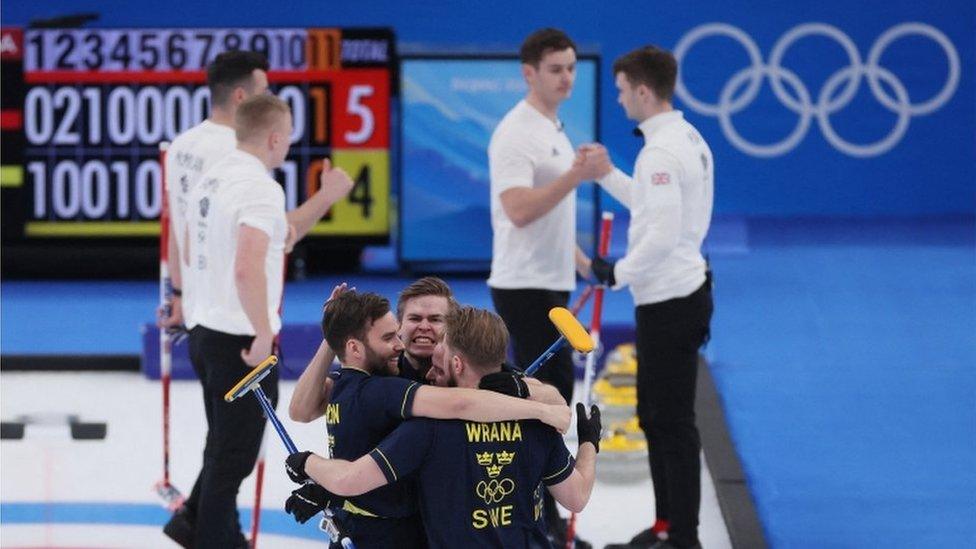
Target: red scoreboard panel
<point>84,111</point>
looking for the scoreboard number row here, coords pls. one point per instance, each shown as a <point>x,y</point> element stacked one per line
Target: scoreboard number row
<point>170,50</point>
<point>100,190</point>
<point>147,115</point>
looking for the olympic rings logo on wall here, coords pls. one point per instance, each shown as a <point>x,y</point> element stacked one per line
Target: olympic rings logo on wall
<point>825,104</point>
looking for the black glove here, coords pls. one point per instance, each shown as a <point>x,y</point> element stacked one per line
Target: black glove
<point>295,467</point>
<point>603,271</point>
<point>308,501</point>
<point>506,383</point>
<point>588,429</point>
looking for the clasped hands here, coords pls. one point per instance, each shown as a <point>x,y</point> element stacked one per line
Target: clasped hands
<point>592,162</point>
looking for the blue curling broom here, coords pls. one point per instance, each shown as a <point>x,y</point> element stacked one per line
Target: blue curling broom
<point>251,383</point>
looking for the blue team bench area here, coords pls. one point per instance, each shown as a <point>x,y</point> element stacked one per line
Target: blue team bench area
<point>109,322</point>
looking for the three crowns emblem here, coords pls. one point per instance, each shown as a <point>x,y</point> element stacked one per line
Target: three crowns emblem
<point>494,462</point>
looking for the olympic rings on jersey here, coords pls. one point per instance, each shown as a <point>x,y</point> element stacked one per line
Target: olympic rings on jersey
<point>494,491</point>
<point>801,102</point>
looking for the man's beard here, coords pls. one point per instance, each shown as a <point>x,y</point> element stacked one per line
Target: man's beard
<point>375,363</point>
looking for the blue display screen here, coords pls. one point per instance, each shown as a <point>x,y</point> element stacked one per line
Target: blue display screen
<point>450,107</point>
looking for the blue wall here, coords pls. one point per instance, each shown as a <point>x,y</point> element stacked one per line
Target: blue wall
<point>929,170</point>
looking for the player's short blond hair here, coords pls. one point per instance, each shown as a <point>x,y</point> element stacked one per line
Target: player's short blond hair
<point>258,115</point>
<point>428,285</point>
<point>480,336</point>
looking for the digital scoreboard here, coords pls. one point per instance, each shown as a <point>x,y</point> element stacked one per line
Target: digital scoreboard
<point>84,112</point>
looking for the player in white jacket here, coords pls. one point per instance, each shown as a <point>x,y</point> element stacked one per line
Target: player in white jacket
<point>670,202</point>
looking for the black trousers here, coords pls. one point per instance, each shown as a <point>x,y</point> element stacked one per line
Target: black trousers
<point>526,314</point>
<point>234,432</point>
<point>669,335</point>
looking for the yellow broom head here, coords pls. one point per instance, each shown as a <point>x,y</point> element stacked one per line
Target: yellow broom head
<point>251,380</point>
<point>571,329</point>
